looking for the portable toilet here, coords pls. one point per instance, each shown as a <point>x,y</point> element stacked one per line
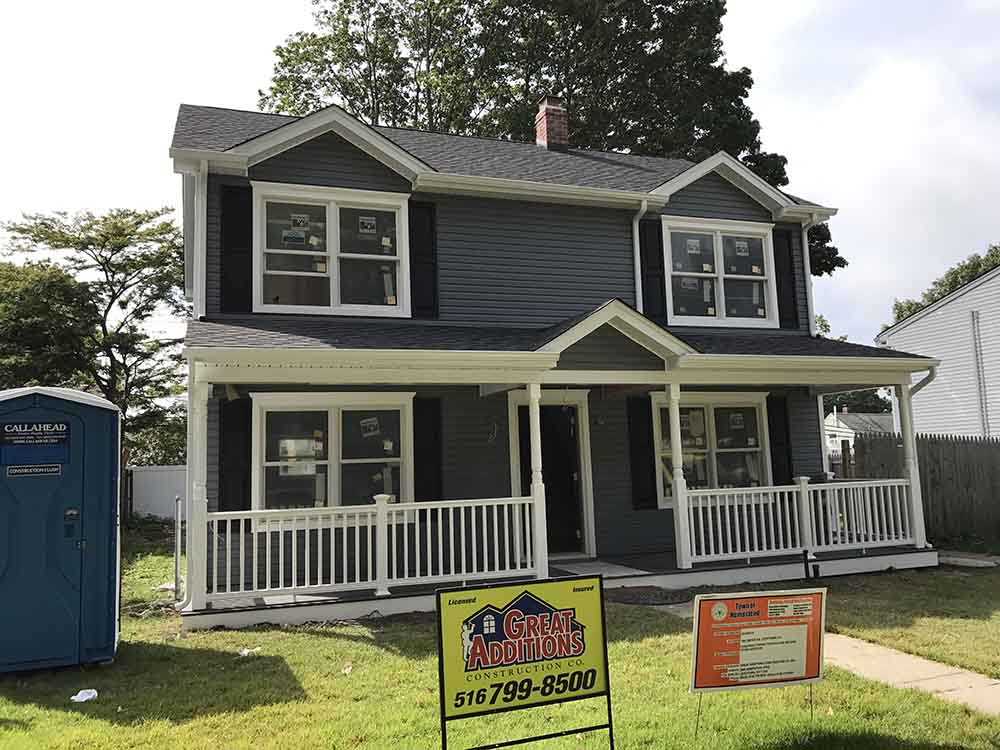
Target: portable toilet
<point>59,538</point>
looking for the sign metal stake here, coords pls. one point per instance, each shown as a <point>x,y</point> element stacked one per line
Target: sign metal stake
<point>697,721</point>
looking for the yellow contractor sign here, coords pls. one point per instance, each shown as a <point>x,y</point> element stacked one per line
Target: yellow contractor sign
<point>512,646</point>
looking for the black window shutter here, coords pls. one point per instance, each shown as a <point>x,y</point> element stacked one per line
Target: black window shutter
<point>234,454</point>
<point>784,268</point>
<point>654,300</point>
<point>778,437</point>
<point>423,261</point>
<point>236,240</point>
<point>640,444</point>
<point>427,449</point>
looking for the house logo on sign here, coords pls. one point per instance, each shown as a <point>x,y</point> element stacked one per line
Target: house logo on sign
<point>527,630</point>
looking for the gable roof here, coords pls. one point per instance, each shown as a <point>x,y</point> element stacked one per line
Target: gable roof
<point>256,135</point>
<point>968,286</point>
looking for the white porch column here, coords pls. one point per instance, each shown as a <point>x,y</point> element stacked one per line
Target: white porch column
<point>682,529</point>
<point>537,484</point>
<point>198,520</point>
<point>911,467</point>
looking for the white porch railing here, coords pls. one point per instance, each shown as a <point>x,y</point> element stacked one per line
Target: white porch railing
<point>861,514</point>
<point>746,523</point>
<point>349,548</point>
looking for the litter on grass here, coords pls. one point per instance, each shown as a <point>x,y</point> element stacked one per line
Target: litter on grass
<point>244,652</point>
<point>84,695</point>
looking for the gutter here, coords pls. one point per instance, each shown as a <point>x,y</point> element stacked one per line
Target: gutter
<point>636,254</point>
<point>925,381</point>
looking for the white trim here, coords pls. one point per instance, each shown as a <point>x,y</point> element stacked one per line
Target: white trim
<point>579,399</point>
<point>807,272</point>
<point>637,254</point>
<point>626,321</point>
<point>794,362</point>
<point>334,403</point>
<point>709,401</point>
<point>822,434</point>
<point>335,119</point>
<point>883,337</point>
<point>63,394</point>
<point>717,228</point>
<point>332,199</point>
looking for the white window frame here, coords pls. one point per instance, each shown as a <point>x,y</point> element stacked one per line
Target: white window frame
<point>710,401</point>
<point>333,199</point>
<point>717,228</point>
<point>334,404</point>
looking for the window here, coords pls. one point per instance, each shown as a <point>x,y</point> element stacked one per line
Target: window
<point>489,625</point>
<point>330,250</point>
<point>723,438</point>
<point>720,273</point>
<point>316,450</point>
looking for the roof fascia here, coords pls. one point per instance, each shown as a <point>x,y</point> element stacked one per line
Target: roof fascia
<point>496,187</point>
<point>953,295</point>
<point>626,321</point>
<point>334,357</point>
<point>348,127</point>
<point>770,361</point>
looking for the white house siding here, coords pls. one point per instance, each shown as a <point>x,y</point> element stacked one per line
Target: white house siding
<point>951,404</point>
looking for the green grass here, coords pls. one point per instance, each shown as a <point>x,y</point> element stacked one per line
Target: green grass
<point>192,691</point>
<point>946,614</point>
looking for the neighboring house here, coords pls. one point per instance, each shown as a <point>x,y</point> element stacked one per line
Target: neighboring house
<point>962,330</point>
<point>843,425</point>
<point>420,359</point>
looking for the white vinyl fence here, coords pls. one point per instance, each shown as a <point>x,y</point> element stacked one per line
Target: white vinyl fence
<point>154,489</point>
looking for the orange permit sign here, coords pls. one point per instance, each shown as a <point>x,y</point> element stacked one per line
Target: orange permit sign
<point>758,639</point>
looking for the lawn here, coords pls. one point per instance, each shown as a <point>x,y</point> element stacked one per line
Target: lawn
<point>375,686</point>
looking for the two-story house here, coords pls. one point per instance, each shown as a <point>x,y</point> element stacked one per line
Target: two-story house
<point>419,358</point>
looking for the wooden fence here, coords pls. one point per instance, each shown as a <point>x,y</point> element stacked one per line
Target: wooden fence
<point>959,479</point>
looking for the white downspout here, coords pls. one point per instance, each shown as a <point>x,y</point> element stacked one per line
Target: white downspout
<point>807,270</point>
<point>636,253</point>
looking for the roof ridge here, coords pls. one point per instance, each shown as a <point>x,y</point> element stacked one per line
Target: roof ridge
<point>244,111</point>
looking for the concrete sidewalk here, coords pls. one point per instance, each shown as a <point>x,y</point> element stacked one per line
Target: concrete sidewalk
<point>906,671</point>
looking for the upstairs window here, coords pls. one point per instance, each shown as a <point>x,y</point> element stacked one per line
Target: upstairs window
<point>330,251</point>
<point>720,273</point>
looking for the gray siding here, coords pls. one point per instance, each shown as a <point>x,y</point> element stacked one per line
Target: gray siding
<point>329,160</point>
<point>213,239</point>
<point>799,271</point>
<point>607,349</point>
<point>517,263</point>
<point>714,197</point>
<point>620,529</point>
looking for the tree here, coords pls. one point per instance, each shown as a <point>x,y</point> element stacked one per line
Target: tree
<point>824,257</point>
<point>162,444</point>
<point>859,402</point>
<point>958,275</point>
<point>44,314</point>
<point>131,265</point>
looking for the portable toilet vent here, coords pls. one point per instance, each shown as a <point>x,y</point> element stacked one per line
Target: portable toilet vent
<point>59,540</point>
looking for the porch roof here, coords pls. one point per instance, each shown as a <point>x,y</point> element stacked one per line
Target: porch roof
<point>352,333</point>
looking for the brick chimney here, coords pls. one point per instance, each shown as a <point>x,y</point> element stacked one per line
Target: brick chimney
<point>551,124</point>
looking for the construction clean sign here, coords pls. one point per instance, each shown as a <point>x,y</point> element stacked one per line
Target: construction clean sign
<point>758,639</point>
<point>520,645</point>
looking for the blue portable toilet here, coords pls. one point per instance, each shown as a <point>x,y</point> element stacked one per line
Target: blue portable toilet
<point>59,540</point>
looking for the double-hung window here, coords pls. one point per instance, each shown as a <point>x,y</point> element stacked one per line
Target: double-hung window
<point>330,250</point>
<point>723,440</point>
<point>317,450</point>
<point>720,273</point>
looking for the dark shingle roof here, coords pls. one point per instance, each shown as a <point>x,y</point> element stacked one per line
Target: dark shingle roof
<point>215,129</point>
<point>303,332</point>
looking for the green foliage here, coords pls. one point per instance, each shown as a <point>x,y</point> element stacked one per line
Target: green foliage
<point>44,315</point>
<point>645,77</point>
<point>163,443</point>
<point>131,264</point>
<point>958,275</point>
<point>859,402</point>
<point>824,257</point>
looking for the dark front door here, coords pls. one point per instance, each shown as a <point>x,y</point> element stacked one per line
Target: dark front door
<point>41,516</point>
<point>560,472</point>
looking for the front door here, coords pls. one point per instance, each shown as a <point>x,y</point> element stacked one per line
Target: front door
<point>560,472</point>
<point>41,560</point>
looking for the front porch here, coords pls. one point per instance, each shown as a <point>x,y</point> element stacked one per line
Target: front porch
<point>318,509</point>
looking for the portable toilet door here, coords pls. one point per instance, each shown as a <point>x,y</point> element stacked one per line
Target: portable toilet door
<point>59,538</point>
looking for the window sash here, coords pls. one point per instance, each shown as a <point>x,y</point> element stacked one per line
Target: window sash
<point>399,403</point>
<point>711,452</point>
<point>338,200</point>
<point>720,276</point>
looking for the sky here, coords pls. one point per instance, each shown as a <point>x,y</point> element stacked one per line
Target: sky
<point>888,111</point>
